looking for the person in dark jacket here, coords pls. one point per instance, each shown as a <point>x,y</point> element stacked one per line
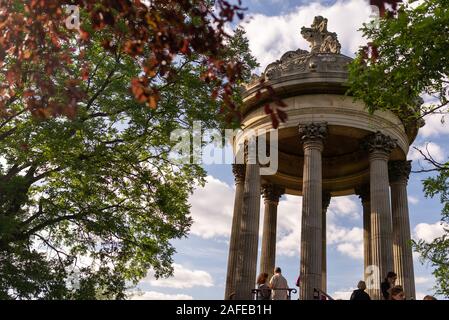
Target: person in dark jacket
<point>388,284</point>
<point>360,293</point>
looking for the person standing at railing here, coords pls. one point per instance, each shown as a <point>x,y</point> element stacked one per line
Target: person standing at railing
<point>360,293</point>
<point>279,285</point>
<point>388,284</point>
<point>264,292</point>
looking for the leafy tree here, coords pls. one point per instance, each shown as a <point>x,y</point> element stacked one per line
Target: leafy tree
<point>89,198</point>
<point>409,59</point>
<point>36,41</point>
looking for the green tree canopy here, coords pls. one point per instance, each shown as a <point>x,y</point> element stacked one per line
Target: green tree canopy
<point>89,201</point>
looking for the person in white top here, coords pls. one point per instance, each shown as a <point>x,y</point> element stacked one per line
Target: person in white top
<point>278,282</point>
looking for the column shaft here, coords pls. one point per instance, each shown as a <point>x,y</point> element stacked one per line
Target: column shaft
<point>325,205</point>
<point>380,147</point>
<point>239,173</point>
<point>402,250</point>
<point>271,196</point>
<point>249,234</point>
<point>312,136</point>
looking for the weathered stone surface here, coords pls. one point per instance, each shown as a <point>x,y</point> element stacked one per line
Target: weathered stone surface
<point>363,192</point>
<point>271,194</point>
<point>319,38</point>
<point>379,147</point>
<point>379,142</point>
<point>312,136</point>
<point>312,131</point>
<point>239,175</point>
<point>399,172</point>
<point>325,204</point>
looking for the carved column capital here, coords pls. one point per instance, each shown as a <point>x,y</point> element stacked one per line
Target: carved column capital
<point>379,143</point>
<point>313,134</point>
<point>363,192</point>
<point>326,200</point>
<point>399,171</point>
<point>272,192</point>
<point>239,173</point>
<point>313,131</point>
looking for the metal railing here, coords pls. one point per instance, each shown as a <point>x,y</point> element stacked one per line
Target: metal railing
<point>256,292</point>
<point>318,294</point>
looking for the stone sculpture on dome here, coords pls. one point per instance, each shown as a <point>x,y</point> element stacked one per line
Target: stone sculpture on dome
<point>321,40</point>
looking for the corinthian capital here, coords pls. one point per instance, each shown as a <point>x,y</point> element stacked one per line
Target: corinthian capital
<point>379,142</point>
<point>399,171</point>
<point>313,131</point>
<point>239,173</point>
<point>272,192</point>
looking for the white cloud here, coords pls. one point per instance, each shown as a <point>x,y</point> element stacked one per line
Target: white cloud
<point>212,209</point>
<point>353,250</point>
<point>342,295</point>
<point>420,295</point>
<point>343,207</point>
<point>422,280</point>
<point>289,226</point>
<point>337,234</point>
<point>349,242</point>
<point>271,36</point>
<point>413,200</point>
<point>182,278</point>
<point>434,126</point>
<point>431,148</point>
<point>428,232</point>
<point>153,295</point>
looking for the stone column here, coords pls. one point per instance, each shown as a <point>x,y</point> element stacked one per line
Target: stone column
<point>271,194</point>
<point>325,204</point>
<point>249,227</point>
<point>399,172</point>
<point>364,194</point>
<point>380,147</point>
<point>239,175</point>
<point>312,136</point>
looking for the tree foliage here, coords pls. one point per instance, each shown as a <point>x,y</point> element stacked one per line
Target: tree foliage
<point>408,59</point>
<point>36,46</point>
<point>90,199</point>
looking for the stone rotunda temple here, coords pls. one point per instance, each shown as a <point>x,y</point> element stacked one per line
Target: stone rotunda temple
<point>330,146</point>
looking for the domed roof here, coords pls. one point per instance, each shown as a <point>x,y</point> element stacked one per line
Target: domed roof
<point>322,70</point>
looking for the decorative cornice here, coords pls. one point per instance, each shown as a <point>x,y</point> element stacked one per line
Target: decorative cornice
<point>239,173</point>
<point>363,192</point>
<point>272,192</point>
<point>399,170</point>
<point>379,142</point>
<point>313,131</point>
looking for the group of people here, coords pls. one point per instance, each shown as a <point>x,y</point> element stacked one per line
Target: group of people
<point>277,288</point>
<point>390,291</point>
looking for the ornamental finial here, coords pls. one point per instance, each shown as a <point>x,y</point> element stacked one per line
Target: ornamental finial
<point>321,40</point>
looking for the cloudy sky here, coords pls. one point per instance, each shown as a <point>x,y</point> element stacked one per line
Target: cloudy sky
<point>273,27</point>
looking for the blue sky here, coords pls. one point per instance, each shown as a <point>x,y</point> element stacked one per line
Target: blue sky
<point>200,262</point>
